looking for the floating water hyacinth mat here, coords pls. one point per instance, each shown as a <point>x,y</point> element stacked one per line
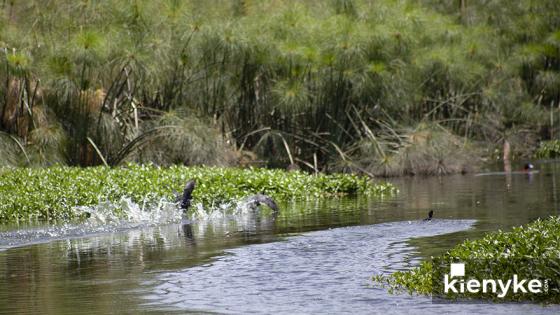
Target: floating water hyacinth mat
<point>48,194</point>
<point>530,252</point>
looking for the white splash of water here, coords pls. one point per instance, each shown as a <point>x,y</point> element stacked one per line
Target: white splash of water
<point>125,214</point>
<point>242,215</point>
<point>127,211</point>
<point>239,208</point>
<point>106,217</point>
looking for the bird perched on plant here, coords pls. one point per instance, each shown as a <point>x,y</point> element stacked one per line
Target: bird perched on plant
<point>256,200</point>
<point>430,215</point>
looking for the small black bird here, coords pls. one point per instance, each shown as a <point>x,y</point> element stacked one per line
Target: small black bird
<point>187,195</point>
<point>430,215</point>
<point>258,199</point>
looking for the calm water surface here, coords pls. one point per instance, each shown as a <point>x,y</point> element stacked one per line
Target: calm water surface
<point>315,257</point>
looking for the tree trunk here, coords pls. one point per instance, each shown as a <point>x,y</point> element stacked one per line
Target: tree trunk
<point>506,157</point>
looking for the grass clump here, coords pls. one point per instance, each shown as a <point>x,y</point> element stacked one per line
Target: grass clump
<point>531,251</point>
<point>427,149</point>
<point>49,194</point>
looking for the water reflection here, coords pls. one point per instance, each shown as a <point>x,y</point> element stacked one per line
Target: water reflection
<point>188,233</point>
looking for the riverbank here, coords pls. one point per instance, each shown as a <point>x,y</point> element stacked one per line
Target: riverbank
<point>46,194</point>
<point>379,87</point>
<point>531,251</point>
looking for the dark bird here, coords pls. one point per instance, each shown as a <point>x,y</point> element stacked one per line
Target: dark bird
<point>258,199</point>
<point>430,215</point>
<point>187,195</point>
<point>528,167</point>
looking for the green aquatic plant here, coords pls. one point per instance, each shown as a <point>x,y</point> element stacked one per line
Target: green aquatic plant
<point>548,149</point>
<point>53,193</point>
<point>531,251</point>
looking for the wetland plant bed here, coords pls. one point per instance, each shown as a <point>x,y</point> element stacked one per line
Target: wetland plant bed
<point>530,252</point>
<point>47,194</point>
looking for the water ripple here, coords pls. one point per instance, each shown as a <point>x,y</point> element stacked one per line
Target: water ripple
<point>318,271</point>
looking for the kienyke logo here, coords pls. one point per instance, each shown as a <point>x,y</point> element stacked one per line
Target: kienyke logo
<point>455,282</point>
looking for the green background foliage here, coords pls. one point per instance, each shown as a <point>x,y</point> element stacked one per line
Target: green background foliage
<point>93,82</point>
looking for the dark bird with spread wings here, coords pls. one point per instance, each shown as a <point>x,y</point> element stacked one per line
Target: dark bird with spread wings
<point>252,201</point>
<point>187,195</point>
<point>430,215</point>
<point>256,200</point>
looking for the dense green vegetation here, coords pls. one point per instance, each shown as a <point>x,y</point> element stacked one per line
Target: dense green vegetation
<point>28,194</point>
<point>380,87</point>
<point>531,252</point>
<point>548,149</point>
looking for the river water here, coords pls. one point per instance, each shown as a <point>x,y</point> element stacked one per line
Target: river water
<point>315,257</point>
